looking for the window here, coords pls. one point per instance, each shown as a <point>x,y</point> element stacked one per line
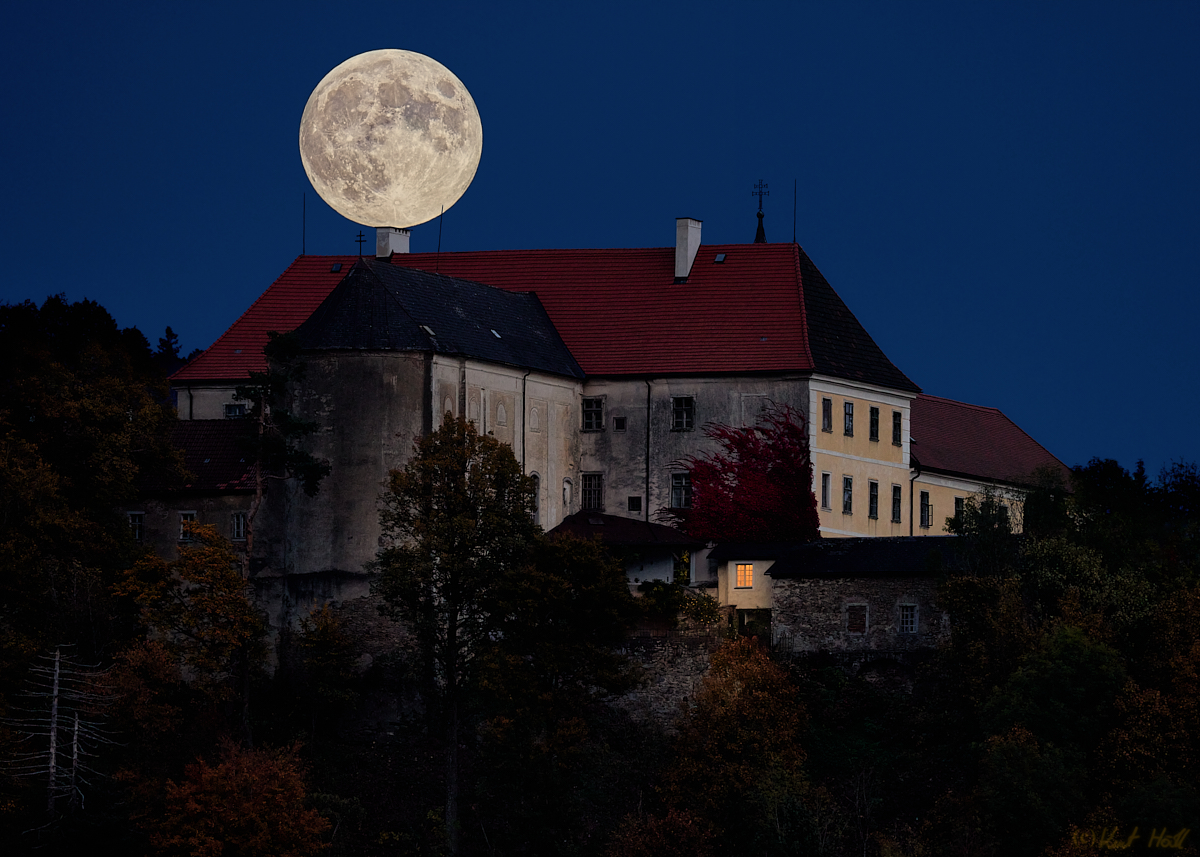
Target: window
<point>874,423</point>
<point>745,575</point>
<point>856,618</point>
<point>567,489</point>
<point>872,499</point>
<point>896,504</point>
<point>235,411</point>
<point>908,618</point>
<point>593,491</point>
<point>593,415</point>
<point>137,525</point>
<point>825,491</point>
<point>848,426</point>
<point>683,413</point>
<point>847,495</point>
<point>958,508</point>
<point>634,504</point>
<point>827,415</point>
<point>897,437</point>
<point>237,526</point>
<point>1002,509</point>
<point>185,519</point>
<point>618,423</point>
<point>501,415</point>
<point>926,510</point>
<point>681,491</point>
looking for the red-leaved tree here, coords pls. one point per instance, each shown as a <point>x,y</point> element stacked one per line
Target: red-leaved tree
<point>757,487</point>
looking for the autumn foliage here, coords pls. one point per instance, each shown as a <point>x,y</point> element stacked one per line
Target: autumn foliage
<point>757,487</point>
<point>250,803</point>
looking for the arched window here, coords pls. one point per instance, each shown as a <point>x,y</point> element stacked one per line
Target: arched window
<point>447,406</point>
<point>567,496</point>
<point>501,415</point>
<point>534,421</point>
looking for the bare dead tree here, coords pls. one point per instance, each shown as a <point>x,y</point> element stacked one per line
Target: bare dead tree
<point>61,727</point>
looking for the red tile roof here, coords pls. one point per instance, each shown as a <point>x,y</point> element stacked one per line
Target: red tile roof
<point>969,440</point>
<point>289,301</point>
<point>765,308</point>
<point>215,452</point>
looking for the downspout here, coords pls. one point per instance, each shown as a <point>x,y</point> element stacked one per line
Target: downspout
<point>524,417</point>
<point>917,475</point>
<point>647,509</point>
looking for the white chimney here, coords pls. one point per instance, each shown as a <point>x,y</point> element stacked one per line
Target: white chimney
<point>687,243</point>
<point>389,240</point>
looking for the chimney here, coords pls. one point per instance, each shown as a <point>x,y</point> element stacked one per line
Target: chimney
<point>389,240</point>
<point>687,242</point>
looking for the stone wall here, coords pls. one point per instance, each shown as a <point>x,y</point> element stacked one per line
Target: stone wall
<point>811,614</point>
<point>673,668</point>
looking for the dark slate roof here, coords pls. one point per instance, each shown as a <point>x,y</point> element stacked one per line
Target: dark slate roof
<point>214,454</point>
<point>969,440</point>
<point>383,307</point>
<point>615,530</point>
<point>906,556</point>
<point>839,344</point>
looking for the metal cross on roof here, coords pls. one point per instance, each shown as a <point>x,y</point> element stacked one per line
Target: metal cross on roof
<point>760,190</point>
<point>360,239</point>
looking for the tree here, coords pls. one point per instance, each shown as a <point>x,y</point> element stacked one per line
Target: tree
<point>546,754</point>
<point>739,761</point>
<point>456,519</point>
<point>84,413</point>
<point>250,804</point>
<point>757,487</point>
<point>201,607</point>
<point>277,432</point>
<point>64,727</point>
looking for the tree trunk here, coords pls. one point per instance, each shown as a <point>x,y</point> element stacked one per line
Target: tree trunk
<point>452,843</point>
<point>53,732</point>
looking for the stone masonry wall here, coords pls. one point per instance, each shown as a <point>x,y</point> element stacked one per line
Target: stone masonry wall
<point>810,615</point>
<point>673,669</point>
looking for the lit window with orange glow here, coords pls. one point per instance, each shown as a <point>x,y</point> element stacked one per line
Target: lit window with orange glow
<point>745,575</point>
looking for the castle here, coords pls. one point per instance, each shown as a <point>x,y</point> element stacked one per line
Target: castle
<point>599,367</point>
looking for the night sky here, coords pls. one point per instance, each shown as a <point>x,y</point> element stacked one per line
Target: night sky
<point>1007,195</point>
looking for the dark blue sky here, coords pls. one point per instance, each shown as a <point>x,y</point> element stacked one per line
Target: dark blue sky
<point>1006,194</point>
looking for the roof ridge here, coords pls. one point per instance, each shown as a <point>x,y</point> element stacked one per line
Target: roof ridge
<point>395,298</point>
<point>988,408</point>
<point>799,282</point>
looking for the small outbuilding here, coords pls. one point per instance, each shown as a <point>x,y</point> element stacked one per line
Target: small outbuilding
<point>838,595</point>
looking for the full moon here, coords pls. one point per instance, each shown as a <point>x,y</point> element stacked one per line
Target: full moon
<point>390,138</point>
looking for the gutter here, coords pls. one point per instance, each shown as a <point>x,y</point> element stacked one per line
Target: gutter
<point>646,511</point>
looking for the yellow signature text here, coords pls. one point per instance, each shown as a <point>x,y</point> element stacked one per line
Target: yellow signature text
<point>1110,839</point>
